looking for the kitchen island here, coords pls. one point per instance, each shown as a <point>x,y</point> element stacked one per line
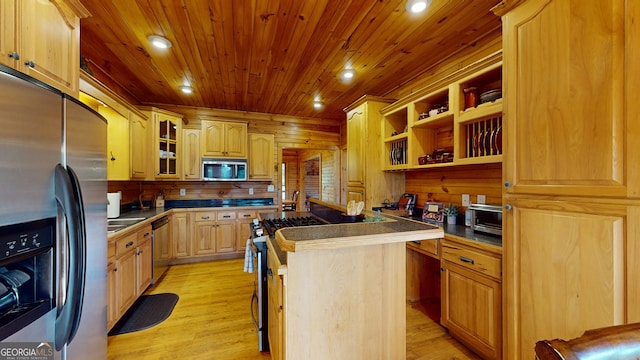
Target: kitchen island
<point>338,291</point>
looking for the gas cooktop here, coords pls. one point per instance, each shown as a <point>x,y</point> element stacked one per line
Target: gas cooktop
<point>272,225</point>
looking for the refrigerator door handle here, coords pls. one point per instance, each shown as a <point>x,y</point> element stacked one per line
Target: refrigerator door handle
<point>69,196</point>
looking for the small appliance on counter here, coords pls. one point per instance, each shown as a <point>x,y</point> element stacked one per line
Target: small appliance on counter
<point>404,207</point>
<point>113,204</point>
<point>486,218</point>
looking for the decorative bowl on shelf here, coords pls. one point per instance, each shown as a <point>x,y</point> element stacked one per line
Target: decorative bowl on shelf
<point>490,95</point>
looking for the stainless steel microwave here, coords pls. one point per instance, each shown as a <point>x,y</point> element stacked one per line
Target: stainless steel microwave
<point>224,170</point>
<point>486,218</point>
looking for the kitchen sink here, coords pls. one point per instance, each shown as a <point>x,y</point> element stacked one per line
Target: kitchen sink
<point>114,225</point>
<point>124,221</point>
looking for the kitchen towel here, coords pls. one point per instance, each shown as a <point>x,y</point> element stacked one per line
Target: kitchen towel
<point>248,258</point>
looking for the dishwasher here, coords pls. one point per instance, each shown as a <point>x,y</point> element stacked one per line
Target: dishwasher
<point>160,243</point>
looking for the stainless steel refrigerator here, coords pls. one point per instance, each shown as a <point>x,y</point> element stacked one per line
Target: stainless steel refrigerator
<point>52,184</point>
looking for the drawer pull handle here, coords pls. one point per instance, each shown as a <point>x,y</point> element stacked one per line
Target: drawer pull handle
<point>466,260</point>
<point>417,242</point>
<point>204,217</point>
<point>129,244</point>
<point>226,216</point>
<point>246,215</point>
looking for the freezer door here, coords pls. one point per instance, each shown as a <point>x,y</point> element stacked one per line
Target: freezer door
<point>85,146</point>
<point>31,132</point>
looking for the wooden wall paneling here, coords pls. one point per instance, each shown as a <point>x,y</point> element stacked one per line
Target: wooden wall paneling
<point>448,184</point>
<point>195,190</point>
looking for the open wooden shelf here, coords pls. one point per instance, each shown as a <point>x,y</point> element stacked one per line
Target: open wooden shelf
<point>472,134</point>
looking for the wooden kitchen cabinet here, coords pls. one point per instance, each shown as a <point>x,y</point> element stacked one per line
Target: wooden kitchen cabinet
<point>166,140</point>
<point>144,261</point>
<point>181,234</point>
<point>471,298</point>
<point>117,144</point>
<point>214,233</point>
<point>131,272</point>
<point>276,287</point>
<point>472,134</point>
<point>572,186</point>
<point>139,135</point>
<point>261,156</point>
<point>245,223</point>
<point>112,295</point>
<point>42,40</point>
<point>224,139</point>
<point>192,163</point>
<point>365,179</point>
<point>126,287</point>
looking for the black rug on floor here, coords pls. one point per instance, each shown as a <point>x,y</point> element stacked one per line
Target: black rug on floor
<point>147,311</point>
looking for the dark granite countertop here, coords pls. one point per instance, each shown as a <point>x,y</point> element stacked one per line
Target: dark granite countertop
<point>153,214</point>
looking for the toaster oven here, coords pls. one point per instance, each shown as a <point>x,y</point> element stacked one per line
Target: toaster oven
<point>486,218</point>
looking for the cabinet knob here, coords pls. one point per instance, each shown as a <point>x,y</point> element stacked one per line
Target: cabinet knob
<point>14,55</point>
<point>30,64</point>
<point>508,207</point>
<point>507,184</point>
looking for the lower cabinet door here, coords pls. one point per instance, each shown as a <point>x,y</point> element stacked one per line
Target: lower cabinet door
<point>126,280</point>
<point>471,306</point>
<point>226,237</point>
<point>112,296</point>
<point>144,263</point>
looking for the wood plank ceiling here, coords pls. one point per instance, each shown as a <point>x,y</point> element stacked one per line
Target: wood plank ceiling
<point>273,56</point>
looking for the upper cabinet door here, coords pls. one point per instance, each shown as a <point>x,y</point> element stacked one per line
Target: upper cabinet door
<point>49,43</point>
<point>236,138</point>
<point>8,32</point>
<point>568,69</point>
<point>261,156</point>
<point>224,139</point>
<point>213,138</point>
<point>356,140</point>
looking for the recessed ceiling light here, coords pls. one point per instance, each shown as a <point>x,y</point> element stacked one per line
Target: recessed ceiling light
<point>417,6</point>
<point>318,104</point>
<point>159,42</point>
<point>348,74</point>
<point>186,89</point>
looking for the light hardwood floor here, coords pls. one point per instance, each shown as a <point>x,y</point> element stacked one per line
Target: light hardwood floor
<point>212,321</point>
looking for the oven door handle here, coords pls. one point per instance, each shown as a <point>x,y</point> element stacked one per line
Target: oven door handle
<point>69,196</point>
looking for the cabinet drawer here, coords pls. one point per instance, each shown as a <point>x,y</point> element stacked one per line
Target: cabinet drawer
<point>247,214</point>
<point>126,244</point>
<point>144,234</point>
<point>205,216</point>
<point>427,247</point>
<point>473,260</point>
<point>226,215</point>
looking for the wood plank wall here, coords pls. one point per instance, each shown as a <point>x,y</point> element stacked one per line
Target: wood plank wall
<point>446,185</point>
<point>195,190</point>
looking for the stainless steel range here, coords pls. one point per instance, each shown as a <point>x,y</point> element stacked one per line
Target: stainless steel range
<point>270,223</point>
